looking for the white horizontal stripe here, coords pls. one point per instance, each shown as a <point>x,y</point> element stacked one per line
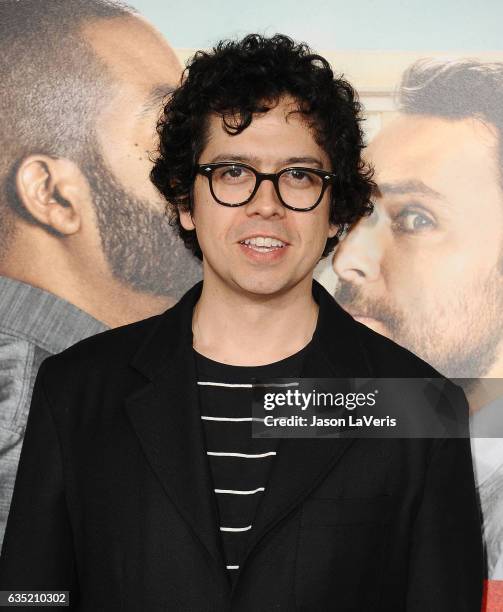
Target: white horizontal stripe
<point>292,384</point>
<point>247,456</point>
<point>235,528</point>
<point>211,418</point>
<point>209,383</point>
<point>217,384</point>
<point>239,492</point>
<point>232,566</point>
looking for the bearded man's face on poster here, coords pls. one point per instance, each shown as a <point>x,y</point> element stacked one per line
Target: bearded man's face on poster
<point>426,268</point>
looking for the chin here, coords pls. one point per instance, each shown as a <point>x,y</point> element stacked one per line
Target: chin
<point>263,287</point>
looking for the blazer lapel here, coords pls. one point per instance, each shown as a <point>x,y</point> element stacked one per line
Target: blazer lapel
<point>165,416</point>
<point>302,463</point>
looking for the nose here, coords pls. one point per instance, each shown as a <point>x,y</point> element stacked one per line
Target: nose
<point>359,256</point>
<point>266,202</point>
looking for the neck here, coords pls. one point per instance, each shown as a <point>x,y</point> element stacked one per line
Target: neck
<point>239,328</point>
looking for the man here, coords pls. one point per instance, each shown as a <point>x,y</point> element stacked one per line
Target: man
<point>426,269</point>
<point>84,242</point>
<point>140,489</point>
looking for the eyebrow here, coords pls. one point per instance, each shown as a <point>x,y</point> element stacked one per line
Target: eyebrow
<point>154,98</point>
<point>407,187</point>
<point>254,159</point>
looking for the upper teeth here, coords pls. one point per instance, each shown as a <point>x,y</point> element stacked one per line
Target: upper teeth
<point>264,241</point>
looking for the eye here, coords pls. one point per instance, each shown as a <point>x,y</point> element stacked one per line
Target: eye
<point>412,220</point>
<point>298,178</point>
<point>233,174</point>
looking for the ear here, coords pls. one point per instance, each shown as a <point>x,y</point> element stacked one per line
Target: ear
<point>52,191</point>
<point>186,220</point>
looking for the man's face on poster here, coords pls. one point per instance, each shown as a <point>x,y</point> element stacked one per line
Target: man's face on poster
<point>426,268</point>
<point>140,246</point>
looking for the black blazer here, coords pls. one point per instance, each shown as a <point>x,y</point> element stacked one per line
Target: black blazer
<point>113,498</point>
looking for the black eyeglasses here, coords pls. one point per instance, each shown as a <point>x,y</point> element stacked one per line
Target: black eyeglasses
<point>235,184</point>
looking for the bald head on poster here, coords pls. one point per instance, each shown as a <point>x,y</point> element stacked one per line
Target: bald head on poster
<point>83,84</point>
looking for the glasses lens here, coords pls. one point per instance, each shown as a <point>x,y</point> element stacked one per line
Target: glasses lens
<point>300,188</point>
<point>233,184</point>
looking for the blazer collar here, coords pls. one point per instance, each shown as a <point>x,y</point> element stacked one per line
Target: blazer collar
<point>167,421</point>
<point>171,334</point>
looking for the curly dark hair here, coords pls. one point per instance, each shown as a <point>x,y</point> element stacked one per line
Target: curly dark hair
<point>239,78</point>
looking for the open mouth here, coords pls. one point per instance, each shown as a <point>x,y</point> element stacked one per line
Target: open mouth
<point>263,244</point>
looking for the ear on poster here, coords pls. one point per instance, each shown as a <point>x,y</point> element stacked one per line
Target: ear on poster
<point>51,191</point>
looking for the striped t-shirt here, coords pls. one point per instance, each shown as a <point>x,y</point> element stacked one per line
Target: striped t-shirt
<point>239,464</point>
